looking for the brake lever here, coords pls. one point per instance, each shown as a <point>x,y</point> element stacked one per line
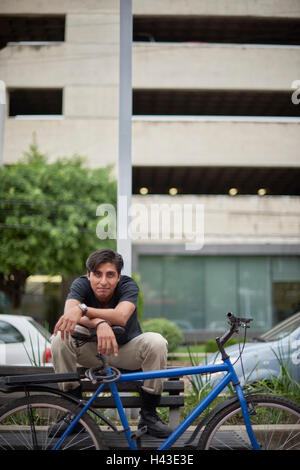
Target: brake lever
<point>238,321</point>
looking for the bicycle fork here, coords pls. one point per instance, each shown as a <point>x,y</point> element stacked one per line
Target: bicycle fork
<point>244,406</point>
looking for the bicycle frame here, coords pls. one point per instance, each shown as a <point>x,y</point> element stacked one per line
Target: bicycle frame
<point>231,376</point>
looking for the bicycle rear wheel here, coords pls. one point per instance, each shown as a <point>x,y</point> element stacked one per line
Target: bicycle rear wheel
<point>275,421</point>
<point>25,424</point>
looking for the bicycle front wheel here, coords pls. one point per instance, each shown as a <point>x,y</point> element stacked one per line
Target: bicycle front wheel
<point>37,423</point>
<point>275,421</point>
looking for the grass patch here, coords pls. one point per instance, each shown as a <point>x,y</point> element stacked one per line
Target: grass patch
<point>197,348</point>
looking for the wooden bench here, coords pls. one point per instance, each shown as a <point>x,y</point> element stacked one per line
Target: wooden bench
<point>172,397</point>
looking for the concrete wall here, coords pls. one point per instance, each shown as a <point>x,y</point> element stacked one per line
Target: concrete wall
<point>97,140</point>
<point>201,142</point>
<point>58,6</point>
<point>176,66</point>
<point>85,66</point>
<point>60,65</point>
<point>160,142</point>
<point>267,220</point>
<point>286,8</point>
<point>275,8</point>
<point>213,66</point>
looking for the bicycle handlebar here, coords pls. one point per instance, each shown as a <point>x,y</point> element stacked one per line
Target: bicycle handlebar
<point>236,323</point>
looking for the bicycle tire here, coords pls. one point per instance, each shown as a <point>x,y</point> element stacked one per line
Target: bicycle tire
<point>275,421</point>
<point>18,432</point>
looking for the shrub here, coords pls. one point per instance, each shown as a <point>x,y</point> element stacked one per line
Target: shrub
<point>167,329</point>
<point>211,345</point>
<point>140,304</point>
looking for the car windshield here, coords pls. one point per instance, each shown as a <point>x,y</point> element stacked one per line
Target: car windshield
<point>282,329</point>
<point>41,329</point>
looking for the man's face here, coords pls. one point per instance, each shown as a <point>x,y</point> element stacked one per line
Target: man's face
<point>104,281</point>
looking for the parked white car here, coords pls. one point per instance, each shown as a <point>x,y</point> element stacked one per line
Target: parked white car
<point>23,341</point>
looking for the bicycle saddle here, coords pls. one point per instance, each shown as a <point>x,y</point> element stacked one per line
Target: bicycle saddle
<point>84,335</point>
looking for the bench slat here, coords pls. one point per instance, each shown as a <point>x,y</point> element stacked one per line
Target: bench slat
<point>23,370</point>
<point>136,402</point>
<point>173,386</point>
<point>128,402</point>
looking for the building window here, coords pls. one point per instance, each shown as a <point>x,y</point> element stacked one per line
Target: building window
<point>216,29</point>
<point>29,101</point>
<point>286,299</point>
<point>214,103</point>
<point>197,291</point>
<point>31,28</point>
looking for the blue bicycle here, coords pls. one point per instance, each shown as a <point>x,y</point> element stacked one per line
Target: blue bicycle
<point>245,421</point>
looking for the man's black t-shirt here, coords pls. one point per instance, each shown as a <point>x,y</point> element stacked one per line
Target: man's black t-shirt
<point>126,290</point>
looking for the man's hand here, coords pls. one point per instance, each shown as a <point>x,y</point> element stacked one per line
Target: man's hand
<point>106,340</point>
<point>68,321</point>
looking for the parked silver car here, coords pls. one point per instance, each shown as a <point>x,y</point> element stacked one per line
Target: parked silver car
<point>263,357</point>
<point>23,341</point>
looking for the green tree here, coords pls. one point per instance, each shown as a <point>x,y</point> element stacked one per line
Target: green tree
<point>48,218</point>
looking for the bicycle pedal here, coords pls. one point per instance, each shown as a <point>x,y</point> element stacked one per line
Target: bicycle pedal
<point>251,409</point>
<point>138,433</point>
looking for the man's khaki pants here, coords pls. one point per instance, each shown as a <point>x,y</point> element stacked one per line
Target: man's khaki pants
<point>147,351</point>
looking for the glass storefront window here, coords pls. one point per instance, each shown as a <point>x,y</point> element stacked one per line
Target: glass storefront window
<point>196,291</point>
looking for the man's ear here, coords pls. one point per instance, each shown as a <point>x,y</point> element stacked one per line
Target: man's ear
<point>88,275</point>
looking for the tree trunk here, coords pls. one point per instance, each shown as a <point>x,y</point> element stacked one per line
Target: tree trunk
<point>13,285</point>
<point>65,288</point>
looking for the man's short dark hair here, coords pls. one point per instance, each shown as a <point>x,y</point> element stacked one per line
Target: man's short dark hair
<point>104,256</point>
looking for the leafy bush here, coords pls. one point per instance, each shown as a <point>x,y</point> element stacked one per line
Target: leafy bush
<point>167,329</point>
<point>140,303</point>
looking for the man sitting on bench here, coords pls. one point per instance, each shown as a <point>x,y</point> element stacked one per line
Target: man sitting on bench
<point>101,299</point>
